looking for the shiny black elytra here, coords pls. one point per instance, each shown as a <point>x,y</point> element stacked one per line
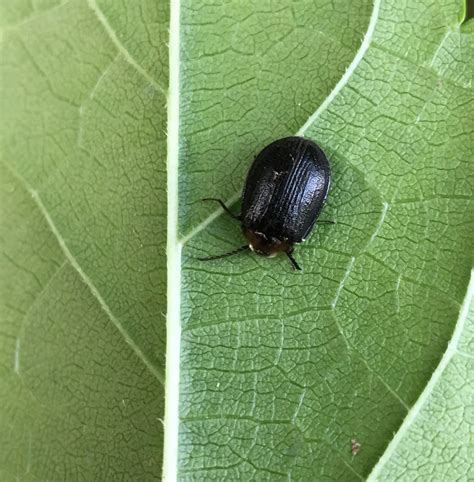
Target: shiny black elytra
<point>285,190</point>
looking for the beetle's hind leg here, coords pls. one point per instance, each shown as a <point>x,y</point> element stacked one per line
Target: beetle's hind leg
<point>223,206</point>
<point>295,265</point>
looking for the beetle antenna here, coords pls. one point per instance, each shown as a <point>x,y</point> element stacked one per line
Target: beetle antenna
<point>223,206</point>
<point>238,250</point>
<point>293,261</point>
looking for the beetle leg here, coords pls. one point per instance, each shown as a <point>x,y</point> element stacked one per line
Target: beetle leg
<point>230,253</point>
<point>223,206</point>
<point>293,260</point>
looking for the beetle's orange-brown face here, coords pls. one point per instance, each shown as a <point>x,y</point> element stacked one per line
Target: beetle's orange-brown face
<point>265,246</point>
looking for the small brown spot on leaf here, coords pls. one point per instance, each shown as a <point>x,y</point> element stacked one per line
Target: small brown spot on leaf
<point>355,446</point>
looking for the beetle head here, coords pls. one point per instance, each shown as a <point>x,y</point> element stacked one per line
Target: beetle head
<point>266,245</point>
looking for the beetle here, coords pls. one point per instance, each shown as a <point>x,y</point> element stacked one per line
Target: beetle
<point>285,190</point>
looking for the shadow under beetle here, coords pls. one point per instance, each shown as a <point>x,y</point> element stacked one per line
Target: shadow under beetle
<point>286,188</point>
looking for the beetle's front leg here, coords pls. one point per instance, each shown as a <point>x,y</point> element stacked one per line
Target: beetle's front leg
<point>223,206</point>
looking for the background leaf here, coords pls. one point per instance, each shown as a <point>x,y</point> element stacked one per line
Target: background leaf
<point>279,370</point>
<point>83,266</point>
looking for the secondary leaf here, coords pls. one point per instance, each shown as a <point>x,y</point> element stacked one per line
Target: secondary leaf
<point>83,272</point>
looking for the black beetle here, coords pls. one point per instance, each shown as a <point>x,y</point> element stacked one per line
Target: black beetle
<point>285,190</point>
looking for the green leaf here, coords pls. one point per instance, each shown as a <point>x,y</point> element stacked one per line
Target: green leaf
<point>276,371</point>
